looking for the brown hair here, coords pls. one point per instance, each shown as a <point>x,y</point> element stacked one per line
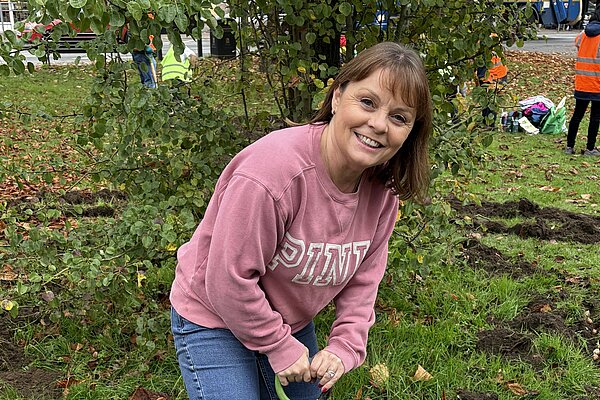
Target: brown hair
<point>407,172</point>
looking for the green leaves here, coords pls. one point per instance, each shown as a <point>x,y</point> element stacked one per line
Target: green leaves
<point>167,12</point>
<point>77,3</point>
<point>135,10</point>
<point>346,9</point>
<point>117,19</point>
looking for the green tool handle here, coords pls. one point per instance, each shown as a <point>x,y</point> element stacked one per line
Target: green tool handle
<point>279,390</point>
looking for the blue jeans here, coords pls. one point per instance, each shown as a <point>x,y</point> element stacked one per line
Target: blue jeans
<point>145,63</point>
<point>216,366</point>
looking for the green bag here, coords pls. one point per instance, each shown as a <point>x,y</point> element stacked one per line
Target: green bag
<point>556,120</point>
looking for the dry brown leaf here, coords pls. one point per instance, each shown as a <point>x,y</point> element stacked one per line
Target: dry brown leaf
<point>7,273</point>
<point>380,375</point>
<point>421,374</point>
<point>358,395</point>
<point>516,388</point>
<point>144,394</point>
<point>499,377</point>
<point>576,201</point>
<point>546,308</point>
<point>550,188</point>
<point>65,383</point>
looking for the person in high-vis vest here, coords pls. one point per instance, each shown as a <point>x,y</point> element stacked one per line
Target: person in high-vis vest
<point>143,58</point>
<point>587,86</point>
<point>493,79</point>
<point>181,69</point>
<point>495,75</point>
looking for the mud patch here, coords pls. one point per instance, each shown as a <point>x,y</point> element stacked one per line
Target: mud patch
<point>593,393</point>
<point>30,382</point>
<point>72,197</point>
<point>85,197</point>
<point>480,256</point>
<point>462,394</point>
<point>510,345</point>
<point>513,339</point>
<point>548,223</point>
<point>97,211</point>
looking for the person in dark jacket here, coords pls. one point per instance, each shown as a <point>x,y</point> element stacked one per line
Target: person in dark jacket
<point>587,86</point>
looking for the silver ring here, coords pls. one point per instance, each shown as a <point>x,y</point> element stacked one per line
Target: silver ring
<point>330,374</point>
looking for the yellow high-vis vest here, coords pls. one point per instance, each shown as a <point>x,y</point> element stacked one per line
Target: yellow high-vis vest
<point>173,69</point>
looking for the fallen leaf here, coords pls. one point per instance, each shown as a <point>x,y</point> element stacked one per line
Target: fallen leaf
<point>499,377</point>
<point>7,305</point>
<point>550,188</point>
<point>47,296</point>
<point>358,395</point>
<point>141,276</point>
<point>421,374</point>
<point>7,273</point>
<point>76,346</point>
<point>65,383</point>
<point>516,388</point>
<point>380,375</point>
<point>145,394</point>
<point>546,308</point>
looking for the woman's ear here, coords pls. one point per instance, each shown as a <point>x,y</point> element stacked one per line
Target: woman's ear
<point>335,100</point>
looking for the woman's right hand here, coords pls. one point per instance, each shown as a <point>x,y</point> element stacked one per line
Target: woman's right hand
<point>299,371</point>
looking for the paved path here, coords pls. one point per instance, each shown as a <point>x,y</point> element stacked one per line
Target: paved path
<point>551,41</point>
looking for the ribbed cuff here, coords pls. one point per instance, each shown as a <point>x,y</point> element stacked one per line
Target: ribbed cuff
<point>348,357</point>
<point>287,353</point>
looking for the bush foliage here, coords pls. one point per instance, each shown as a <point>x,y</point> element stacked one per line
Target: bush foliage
<point>165,149</point>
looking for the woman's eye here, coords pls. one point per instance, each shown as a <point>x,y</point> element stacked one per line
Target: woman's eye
<point>367,102</point>
<point>399,118</point>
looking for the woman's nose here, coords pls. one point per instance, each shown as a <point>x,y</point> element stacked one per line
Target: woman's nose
<point>378,122</point>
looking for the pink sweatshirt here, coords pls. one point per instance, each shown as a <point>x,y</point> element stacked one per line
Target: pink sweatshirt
<point>278,242</point>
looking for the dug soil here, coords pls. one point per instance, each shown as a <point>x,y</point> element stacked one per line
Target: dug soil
<point>513,340</point>
<point>17,372</point>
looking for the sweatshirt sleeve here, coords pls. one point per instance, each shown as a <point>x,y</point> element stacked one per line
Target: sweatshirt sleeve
<point>244,240</point>
<point>354,305</point>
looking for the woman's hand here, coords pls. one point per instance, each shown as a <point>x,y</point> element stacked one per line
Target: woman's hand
<point>297,372</point>
<point>327,368</point>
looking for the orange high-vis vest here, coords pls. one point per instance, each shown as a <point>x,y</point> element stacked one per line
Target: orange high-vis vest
<point>498,70</point>
<point>587,67</point>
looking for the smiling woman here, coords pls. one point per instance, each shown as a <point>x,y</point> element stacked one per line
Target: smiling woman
<point>320,215</point>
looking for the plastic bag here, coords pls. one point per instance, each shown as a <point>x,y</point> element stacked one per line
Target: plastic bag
<point>556,120</point>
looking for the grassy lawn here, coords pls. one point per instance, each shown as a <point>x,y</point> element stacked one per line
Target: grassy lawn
<point>516,315</point>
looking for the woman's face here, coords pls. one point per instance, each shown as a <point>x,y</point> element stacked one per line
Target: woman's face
<point>369,124</point>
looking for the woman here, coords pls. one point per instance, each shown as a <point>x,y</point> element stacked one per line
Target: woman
<point>587,86</point>
<point>298,219</point>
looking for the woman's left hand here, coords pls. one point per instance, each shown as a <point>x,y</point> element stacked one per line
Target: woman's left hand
<point>327,368</point>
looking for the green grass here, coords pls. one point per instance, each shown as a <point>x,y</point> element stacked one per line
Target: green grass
<point>432,319</point>
<point>59,90</point>
<point>534,167</point>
